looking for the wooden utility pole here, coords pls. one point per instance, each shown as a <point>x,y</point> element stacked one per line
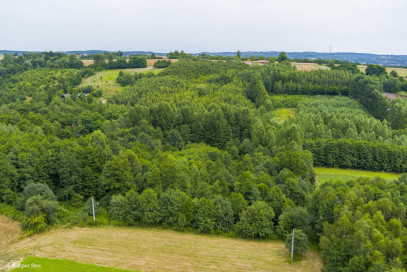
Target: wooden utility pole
<point>292,247</point>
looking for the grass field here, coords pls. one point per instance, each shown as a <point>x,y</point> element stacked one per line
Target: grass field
<point>52,265</point>
<point>284,113</point>
<point>155,249</point>
<point>106,80</point>
<point>401,71</point>
<point>326,174</point>
<point>308,66</point>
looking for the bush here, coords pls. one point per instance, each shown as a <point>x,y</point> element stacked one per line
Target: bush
<point>34,189</point>
<point>37,205</point>
<point>34,224</point>
<point>162,63</point>
<point>137,62</point>
<point>301,244</point>
<point>125,79</point>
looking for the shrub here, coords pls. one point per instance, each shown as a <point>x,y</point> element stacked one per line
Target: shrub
<point>162,63</point>
<point>34,224</point>
<point>34,189</point>
<point>37,205</point>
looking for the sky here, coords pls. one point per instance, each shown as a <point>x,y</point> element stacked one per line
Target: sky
<point>365,26</point>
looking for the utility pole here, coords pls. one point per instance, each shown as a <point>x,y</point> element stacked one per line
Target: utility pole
<point>292,247</point>
<point>93,209</point>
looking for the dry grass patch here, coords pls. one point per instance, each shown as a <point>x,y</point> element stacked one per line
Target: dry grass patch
<point>400,71</point>
<point>161,250</point>
<point>150,62</point>
<point>87,62</point>
<point>308,66</point>
<point>9,231</point>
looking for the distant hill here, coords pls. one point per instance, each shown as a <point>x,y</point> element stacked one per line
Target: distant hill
<point>362,58</point>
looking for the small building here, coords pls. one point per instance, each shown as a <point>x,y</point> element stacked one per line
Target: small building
<point>249,62</point>
<point>263,62</point>
<point>161,57</point>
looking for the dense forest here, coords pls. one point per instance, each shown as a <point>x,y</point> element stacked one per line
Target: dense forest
<point>198,147</point>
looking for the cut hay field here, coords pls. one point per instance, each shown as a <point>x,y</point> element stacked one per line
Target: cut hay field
<point>283,114</point>
<point>9,231</point>
<point>401,71</point>
<point>326,174</point>
<point>308,66</point>
<point>155,249</point>
<point>106,80</point>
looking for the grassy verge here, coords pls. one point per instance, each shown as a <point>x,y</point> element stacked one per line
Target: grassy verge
<point>51,265</point>
<point>326,174</point>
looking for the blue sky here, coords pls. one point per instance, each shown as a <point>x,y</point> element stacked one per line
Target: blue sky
<point>373,26</point>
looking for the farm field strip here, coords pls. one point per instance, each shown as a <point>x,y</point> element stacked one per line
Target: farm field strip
<point>401,71</point>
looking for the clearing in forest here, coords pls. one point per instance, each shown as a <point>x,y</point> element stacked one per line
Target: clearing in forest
<point>283,114</point>
<point>106,80</point>
<point>156,249</point>
<point>324,174</point>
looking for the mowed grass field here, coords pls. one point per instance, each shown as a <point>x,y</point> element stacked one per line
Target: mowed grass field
<point>155,249</point>
<point>52,265</point>
<point>283,114</point>
<point>308,66</point>
<point>106,80</point>
<point>326,174</point>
